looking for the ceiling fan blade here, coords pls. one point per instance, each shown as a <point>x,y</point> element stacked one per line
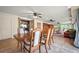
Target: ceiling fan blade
<point>40,16</point>
<point>31,9</point>
<point>28,13</point>
<point>35,11</point>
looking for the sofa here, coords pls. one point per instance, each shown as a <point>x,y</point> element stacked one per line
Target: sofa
<point>71,33</point>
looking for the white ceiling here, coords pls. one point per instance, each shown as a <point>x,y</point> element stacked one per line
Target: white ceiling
<point>59,13</point>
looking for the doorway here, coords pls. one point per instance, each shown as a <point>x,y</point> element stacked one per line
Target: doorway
<point>23,26</point>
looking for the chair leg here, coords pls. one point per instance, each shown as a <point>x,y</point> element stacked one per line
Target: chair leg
<point>30,47</point>
<point>39,48</point>
<point>30,51</point>
<point>23,49</point>
<point>49,43</point>
<point>46,48</point>
<point>18,44</point>
<point>22,46</point>
<point>49,46</point>
<point>52,40</point>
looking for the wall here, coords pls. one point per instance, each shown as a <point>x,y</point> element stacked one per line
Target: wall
<point>8,25</point>
<point>0,30</point>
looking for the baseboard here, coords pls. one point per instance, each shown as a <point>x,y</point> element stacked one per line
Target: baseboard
<point>6,38</point>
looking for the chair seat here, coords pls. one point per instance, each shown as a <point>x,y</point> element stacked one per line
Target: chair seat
<point>28,42</point>
<point>27,46</point>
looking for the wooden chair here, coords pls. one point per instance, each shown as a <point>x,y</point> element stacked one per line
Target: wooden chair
<point>33,43</point>
<point>45,39</point>
<point>20,40</point>
<point>51,36</point>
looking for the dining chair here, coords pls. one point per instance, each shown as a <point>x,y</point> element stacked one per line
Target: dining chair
<point>45,40</point>
<point>33,43</point>
<point>51,40</point>
<point>51,36</point>
<point>19,40</point>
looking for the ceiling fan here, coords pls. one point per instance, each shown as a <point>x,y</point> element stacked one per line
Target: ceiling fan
<point>34,13</point>
<point>52,20</point>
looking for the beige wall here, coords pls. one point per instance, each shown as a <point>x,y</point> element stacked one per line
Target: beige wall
<point>74,12</point>
<point>0,30</point>
<point>8,25</point>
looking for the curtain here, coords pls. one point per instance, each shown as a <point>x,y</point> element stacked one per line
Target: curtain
<point>76,42</point>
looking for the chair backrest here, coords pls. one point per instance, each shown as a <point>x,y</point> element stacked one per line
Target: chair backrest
<point>52,32</point>
<point>37,34</point>
<point>17,38</point>
<point>48,36</point>
<point>49,33</point>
